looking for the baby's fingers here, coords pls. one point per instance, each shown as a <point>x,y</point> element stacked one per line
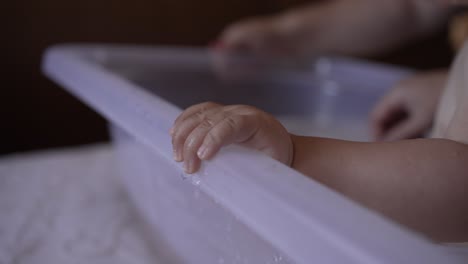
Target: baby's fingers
<point>200,132</point>
<point>232,129</point>
<point>198,109</point>
<point>186,122</point>
<point>194,140</point>
<point>180,136</point>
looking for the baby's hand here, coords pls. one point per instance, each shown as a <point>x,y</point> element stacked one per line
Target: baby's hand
<point>201,130</point>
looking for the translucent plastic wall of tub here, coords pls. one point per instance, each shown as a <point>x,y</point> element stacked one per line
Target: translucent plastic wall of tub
<point>327,97</point>
<point>242,207</point>
<point>188,225</point>
<point>187,221</point>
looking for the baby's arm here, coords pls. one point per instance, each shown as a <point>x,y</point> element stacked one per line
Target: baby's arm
<point>420,183</point>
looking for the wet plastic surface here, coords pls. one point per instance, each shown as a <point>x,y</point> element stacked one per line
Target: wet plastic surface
<point>242,207</point>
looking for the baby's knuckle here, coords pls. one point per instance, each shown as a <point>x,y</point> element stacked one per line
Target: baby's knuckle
<point>200,115</point>
<point>207,123</point>
<point>232,122</point>
<point>189,144</point>
<point>248,108</point>
<point>204,107</point>
<point>176,134</point>
<point>214,138</point>
<point>208,105</point>
<point>191,109</point>
<point>177,138</point>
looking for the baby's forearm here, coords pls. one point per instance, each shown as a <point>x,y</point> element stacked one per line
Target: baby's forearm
<point>363,27</point>
<point>420,183</point>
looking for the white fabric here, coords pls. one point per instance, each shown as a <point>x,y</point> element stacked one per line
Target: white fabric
<point>67,206</point>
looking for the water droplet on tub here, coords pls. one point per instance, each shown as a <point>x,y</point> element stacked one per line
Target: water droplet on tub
<point>183,176</point>
<point>277,258</point>
<point>195,180</point>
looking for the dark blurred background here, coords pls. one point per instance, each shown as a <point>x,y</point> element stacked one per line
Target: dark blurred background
<point>35,113</point>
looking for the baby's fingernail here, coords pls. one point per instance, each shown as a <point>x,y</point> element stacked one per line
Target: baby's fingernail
<point>188,166</point>
<point>202,151</point>
<point>171,131</point>
<point>177,156</point>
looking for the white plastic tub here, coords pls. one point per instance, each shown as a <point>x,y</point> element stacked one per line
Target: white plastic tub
<point>242,207</point>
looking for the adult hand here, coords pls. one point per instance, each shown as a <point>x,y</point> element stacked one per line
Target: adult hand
<point>408,110</point>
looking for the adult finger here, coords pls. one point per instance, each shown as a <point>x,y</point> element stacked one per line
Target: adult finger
<point>386,111</point>
<point>410,128</point>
